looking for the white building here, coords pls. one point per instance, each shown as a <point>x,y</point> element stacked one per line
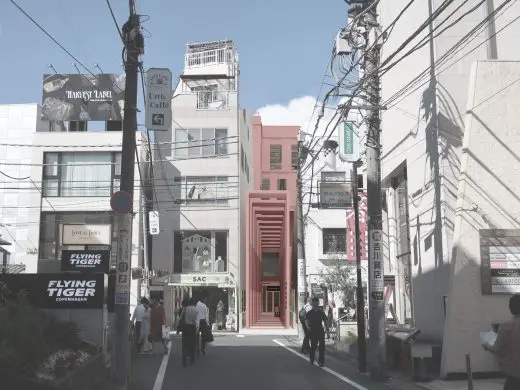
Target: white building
<point>423,132</point>
<point>62,177</point>
<point>202,177</point>
<point>18,123</point>
<point>329,237</point>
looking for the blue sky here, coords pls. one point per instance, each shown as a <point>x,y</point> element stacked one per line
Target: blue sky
<point>284,45</point>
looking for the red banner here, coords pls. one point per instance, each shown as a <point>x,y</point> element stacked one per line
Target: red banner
<point>363,228</point>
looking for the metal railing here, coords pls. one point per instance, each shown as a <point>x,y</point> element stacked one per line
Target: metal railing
<point>337,334</point>
<point>208,57</point>
<point>212,100</point>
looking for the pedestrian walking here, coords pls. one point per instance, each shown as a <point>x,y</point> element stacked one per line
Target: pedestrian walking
<point>203,326</point>
<point>316,318</point>
<point>158,321</point>
<point>137,320</point>
<point>187,325</point>
<point>302,315</point>
<point>507,346</point>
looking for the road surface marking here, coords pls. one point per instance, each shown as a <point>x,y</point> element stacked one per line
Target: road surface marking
<point>162,369</point>
<point>326,369</point>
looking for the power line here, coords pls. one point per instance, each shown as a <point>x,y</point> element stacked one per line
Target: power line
<point>50,36</point>
<point>115,21</point>
<point>409,88</point>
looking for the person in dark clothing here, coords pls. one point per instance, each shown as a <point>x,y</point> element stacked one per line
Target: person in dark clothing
<point>316,318</point>
<point>302,315</point>
<point>187,325</point>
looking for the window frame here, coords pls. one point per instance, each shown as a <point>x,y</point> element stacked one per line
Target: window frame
<point>275,163</point>
<point>265,187</point>
<point>294,157</point>
<point>180,188</point>
<point>325,245</point>
<point>219,144</point>
<point>282,184</point>
<point>59,179</point>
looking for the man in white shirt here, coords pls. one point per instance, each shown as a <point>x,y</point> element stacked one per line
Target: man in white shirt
<point>202,324</point>
<point>137,320</point>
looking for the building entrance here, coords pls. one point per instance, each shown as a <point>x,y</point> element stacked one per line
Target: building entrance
<point>271,300</point>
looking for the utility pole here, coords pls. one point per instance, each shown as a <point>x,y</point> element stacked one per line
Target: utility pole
<point>377,335</point>
<point>360,295</point>
<point>133,41</point>
<point>300,231</point>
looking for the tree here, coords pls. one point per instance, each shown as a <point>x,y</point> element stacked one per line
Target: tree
<point>340,276</point>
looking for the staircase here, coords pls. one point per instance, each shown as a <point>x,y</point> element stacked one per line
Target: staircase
<point>268,324</point>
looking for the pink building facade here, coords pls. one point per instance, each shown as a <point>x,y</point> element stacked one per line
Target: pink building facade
<point>270,279</point>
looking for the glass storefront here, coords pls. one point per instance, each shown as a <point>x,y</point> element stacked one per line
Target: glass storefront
<point>200,251</point>
<point>51,230</point>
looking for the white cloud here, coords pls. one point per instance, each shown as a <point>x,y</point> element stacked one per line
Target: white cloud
<point>298,112</point>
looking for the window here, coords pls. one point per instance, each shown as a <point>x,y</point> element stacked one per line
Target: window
<point>202,189</point>
<point>276,156</point>
<point>282,184</point>
<point>266,184</point>
<point>78,174</point>
<point>335,241</point>
<point>200,142</point>
<point>294,157</point>
<point>78,126</point>
<point>200,251</point>
<point>50,233</point>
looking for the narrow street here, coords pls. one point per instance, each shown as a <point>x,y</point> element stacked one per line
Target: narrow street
<point>252,362</point>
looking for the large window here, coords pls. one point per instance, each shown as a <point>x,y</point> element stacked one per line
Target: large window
<point>275,156</point>
<point>77,174</point>
<point>201,142</point>
<point>204,189</point>
<point>51,230</point>
<point>335,241</point>
<point>200,251</point>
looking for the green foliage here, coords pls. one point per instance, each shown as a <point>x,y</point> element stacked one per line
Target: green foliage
<point>341,278</point>
<point>28,335</point>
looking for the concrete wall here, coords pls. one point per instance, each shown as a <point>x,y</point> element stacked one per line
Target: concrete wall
<point>423,129</point>
<point>487,198</point>
<point>265,136</point>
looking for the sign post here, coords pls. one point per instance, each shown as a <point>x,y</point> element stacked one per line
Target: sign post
<point>158,113</point>
<point>153,222</point>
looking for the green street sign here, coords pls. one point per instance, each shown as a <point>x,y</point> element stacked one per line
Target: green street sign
<point>348,138</point>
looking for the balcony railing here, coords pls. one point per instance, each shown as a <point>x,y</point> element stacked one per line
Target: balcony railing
<point>212,100</point>
<point>207,58</point>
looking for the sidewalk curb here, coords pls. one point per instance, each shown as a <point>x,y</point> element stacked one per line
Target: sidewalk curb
<point>395,383</point>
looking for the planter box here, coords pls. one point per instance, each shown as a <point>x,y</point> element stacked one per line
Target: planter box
<point>88,376</point>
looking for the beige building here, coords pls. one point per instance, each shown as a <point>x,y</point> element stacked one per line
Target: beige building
<point>430,142</point>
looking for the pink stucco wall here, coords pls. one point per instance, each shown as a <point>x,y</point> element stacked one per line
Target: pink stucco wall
<point>263,137</point>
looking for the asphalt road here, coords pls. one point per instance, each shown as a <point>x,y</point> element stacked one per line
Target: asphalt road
<point>252,362</point>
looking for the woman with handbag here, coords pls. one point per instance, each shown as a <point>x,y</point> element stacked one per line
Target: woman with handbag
<point>187,325</point>
<point>158,319</point>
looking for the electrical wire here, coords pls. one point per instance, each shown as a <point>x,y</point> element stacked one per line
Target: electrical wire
<point>405,91</point>
<point>115,21</point>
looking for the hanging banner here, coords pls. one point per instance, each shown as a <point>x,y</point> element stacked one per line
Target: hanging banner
<point>59,291</point>
<point>85,261</point>
<point>377,284</point>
